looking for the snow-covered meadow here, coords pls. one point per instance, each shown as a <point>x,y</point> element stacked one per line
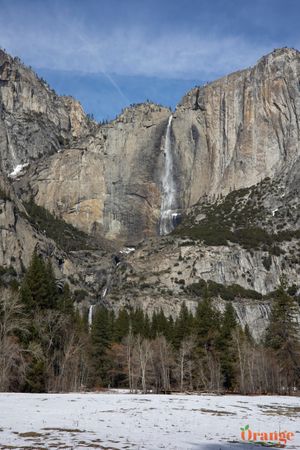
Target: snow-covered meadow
<point>128,421</point>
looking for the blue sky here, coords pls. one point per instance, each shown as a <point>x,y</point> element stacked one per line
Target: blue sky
<point>111,53</point>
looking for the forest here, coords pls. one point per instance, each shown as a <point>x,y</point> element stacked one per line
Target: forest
<point>47,344</point>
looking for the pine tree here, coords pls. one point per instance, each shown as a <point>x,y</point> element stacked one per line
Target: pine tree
<point>38,290</point>
<point>170,329</point>
<point>226,347</point>
<point>51,288</point>
<point>183,325</point>
<point>137,320</point>
<point>147,327</point>
<point>205,357</point>
<point>101,340</point>
<point>162,323</point>
<point>65,301</point>
<point>206,326</point>
<point>282,336</point>
<point>26,296</point>
<point>112,322</point>
<point>121,328</point>
<point>154,325</point>
<point>36,376</point>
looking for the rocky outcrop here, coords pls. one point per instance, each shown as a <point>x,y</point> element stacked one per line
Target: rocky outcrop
<point>18,238</point>
<point>35,121</point>
<point>159,274</point>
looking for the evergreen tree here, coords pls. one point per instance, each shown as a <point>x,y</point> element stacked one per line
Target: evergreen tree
<point>65,301</point>
<point>112,321</point>
<point>226,346</point>
<point>154,325</point>
<point>159,324</point>
<point>36,376</point>
<point>170,329</point>
<point>121,328</point>
<point>51,288</point>
<point>205,356</point>
<point>38,290</point>
<point>282,336</point>
<point>137,320</point>
<point>206,326</point>
<point>101,340</point>
<point>26,296</point>
<point>183,326</point>
<point>147,327</point>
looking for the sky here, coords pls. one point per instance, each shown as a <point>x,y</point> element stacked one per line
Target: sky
<point>110,54</point>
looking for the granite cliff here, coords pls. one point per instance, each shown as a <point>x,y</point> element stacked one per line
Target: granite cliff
<point>226,135</point>
<point>240,129</point>
<point>225,163</point>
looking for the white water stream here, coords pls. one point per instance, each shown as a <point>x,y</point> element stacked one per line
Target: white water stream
<point>168,212</point>
<point>90,317</point>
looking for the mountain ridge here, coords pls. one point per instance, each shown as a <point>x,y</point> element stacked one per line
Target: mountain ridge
<point>106,181</point>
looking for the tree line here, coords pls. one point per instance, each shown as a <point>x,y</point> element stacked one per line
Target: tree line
<point>47,345</point>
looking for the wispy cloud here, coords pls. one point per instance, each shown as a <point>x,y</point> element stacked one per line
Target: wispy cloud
<point>62,43</point>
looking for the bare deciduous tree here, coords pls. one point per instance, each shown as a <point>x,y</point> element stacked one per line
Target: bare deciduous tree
<point>184,364</point>
<point>63,351</point>
<point>131,361</point>
<point>144,352</point>
<point>162,363</point>
<point>12,322</point>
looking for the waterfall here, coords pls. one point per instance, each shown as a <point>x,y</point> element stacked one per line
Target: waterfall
<point>168,214</point>
<point>90,316</point>
<point>11,150</point>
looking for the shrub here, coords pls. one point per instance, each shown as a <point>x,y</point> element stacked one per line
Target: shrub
<point>212,289</point>
<point>64,234</point>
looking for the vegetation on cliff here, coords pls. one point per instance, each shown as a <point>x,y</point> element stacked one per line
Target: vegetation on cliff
<point>65,235</point>
<point>241,217</point>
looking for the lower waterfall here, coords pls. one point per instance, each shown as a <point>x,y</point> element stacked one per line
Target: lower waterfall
<point>90,316</point>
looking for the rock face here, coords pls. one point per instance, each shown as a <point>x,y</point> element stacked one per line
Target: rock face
<point>240,129</point>
<point>34,120</point>
<point>158,275</point>
<point>110,183</point>
<point>18,238</point>
<point>226,135</point>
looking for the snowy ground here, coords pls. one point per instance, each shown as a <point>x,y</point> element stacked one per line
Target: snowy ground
<point>153,422</point>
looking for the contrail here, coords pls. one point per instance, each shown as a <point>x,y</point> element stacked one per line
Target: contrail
<point>107,75</point>
<point>116,86</point>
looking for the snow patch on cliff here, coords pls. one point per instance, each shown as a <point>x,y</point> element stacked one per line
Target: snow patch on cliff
<point>18,170</point>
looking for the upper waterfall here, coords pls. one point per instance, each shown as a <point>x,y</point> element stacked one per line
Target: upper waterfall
<point>168,212</point>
